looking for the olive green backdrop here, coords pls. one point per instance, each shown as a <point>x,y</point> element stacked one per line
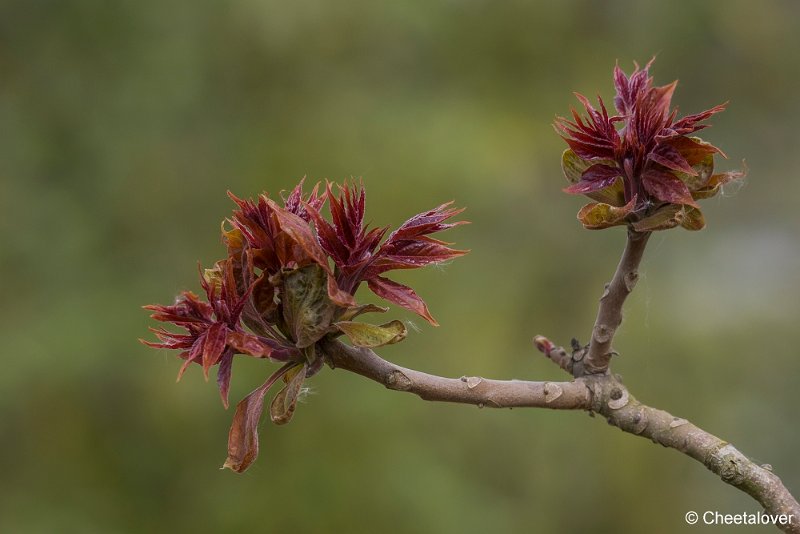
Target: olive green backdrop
<point>124,123</point>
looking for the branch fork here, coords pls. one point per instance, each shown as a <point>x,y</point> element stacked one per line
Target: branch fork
<point>592,388</point>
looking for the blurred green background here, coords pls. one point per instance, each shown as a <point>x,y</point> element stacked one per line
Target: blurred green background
<point>124,123</point>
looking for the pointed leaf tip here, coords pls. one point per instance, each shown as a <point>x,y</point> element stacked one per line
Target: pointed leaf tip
<point>401,295</point>
<point>243,435</point>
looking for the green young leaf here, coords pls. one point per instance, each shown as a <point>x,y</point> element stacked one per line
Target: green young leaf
<point>704,169</point>
<point>664,218</point>
<point>355,311</point>
<point>281,409</point>
<point>370,335</point>
<point>307,309</point>
<point>574,166</point>
<point>693,219</point>
<point>597,215</point>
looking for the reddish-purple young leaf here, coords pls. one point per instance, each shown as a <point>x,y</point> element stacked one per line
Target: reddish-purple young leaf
<point>213,346</point>
<point>659,99</point>
<point>224,376</point>
<point>328,238</point>
<point>595,138</point>
<point>249,344</point>
<point>428,222</point>
<point>693,149</point>
<point>689,123</point>
<point>410,246</point>
<point>300,231</point>
<point>243,435</point>
<point>595,178</point>
<point>295,203</point>
<point>410,255</point>
<point>650,142</point>
<point>574,166</point>
<point>188,308</point>
<point>628,89</point>
<point>337,296</point>
<point>401,295</point>
<point>667,187</point>
<point>189,357</point>
<point>348,241</point>
<point>169,340</point>
<point>347,212</point>
<point>670,158</point>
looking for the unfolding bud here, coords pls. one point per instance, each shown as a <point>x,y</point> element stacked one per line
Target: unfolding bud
<point>289,281</point>
<point>543,344</point>
<point>641,167</point>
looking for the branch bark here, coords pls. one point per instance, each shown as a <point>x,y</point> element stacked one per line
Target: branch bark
<point>574,395</point>
<point>609,313</point>
<point>600,393</point>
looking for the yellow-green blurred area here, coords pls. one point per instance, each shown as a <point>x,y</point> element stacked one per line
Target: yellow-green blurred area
<point>124,123</point>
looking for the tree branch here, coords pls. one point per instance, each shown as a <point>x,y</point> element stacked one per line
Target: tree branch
<point>599,393</point>
<point>609,314</point>
<point>475,390</point>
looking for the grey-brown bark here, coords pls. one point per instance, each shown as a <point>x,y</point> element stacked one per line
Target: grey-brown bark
<point>609,314</point>
<point>603,394</point>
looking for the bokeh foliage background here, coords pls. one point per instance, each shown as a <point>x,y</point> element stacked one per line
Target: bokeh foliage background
<point>124,123</point>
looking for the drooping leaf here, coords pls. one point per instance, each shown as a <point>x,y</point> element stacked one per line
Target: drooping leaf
<point>401,295</point>
<point>370,335</point>
<point>597,215</point>
<point>243,435</point>
<point>281,409</point>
